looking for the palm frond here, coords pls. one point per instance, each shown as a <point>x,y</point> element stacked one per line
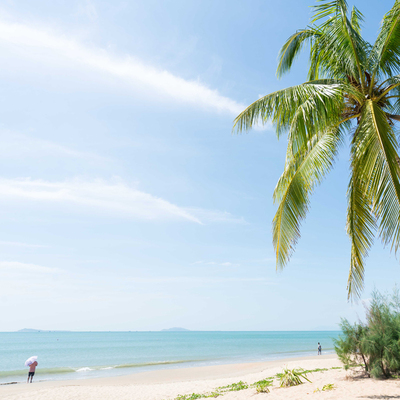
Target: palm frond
<point>296,184</point>
<point>343,85</point>
<point>320,104</point>
<point>374,190</point>
<point>292,47</point>
<point>361,223</point>
<point>339,50</point>
<point>384,57</point>
<point>377,153</point>
<point>325,9</point>
<point>356,19</point>
<point>390,85</point>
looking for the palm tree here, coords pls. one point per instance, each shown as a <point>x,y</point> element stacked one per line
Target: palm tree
<point>353,90</point>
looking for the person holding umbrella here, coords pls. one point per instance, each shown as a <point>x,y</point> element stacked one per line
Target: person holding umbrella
<point>32,364</point>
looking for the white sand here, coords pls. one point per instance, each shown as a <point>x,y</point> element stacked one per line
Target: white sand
<point>167,384</point>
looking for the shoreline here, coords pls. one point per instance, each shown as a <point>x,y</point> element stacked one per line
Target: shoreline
<point>70,373</point>
<point>220,371</point>
<point>169,384</point>
<point>166,376</point>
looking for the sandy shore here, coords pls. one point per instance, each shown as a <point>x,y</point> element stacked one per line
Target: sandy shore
<point>167,384</point>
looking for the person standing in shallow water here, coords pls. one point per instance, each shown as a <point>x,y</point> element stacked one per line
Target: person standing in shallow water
<point>319,349</point>
<point>32,369</point>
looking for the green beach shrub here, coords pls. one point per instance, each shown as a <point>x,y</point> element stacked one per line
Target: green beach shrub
<point>292,377</point>
<point>214,394</point>
<point>234,387</point>
<point>328,387</point>
<point>269,379</point>
<point>193,396</point>
<point>375,345</point>
<point>325,388</point>
<point>310,371</point>
<point>348,346</point>
<point>263,386</point>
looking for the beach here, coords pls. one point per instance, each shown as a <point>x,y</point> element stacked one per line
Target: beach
<point>168,384</point>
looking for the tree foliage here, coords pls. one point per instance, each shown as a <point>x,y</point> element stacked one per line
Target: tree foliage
<point>353,90</point>
<point>375,344</point>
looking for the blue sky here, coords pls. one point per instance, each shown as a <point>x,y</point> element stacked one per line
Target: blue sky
<point>125,201</point>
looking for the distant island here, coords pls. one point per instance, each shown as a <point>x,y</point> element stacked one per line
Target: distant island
<point>176,329</point>
<point>28,330</point>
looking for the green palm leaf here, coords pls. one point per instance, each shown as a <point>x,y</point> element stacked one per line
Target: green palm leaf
<point>386,51</point>
<point>374,190</point>
<point>352,88</point>
<point>340,50</point>
<point>318,103</point>
<point>361,222</point>
<point>292,48</point>
<point>385,173</point>
<point>301,175</point>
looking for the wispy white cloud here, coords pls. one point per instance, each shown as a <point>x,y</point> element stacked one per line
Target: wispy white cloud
<point>53,46</point>
<point>116,197</point>
<point>221,264</point>
<point>74,288</point>
<point>197,279</point>
<point>216,215</point>
<point>88,9</point>
<point>16,266</point>
<point>17,145</point>
<point>20,244</point>
<point>266,260</point>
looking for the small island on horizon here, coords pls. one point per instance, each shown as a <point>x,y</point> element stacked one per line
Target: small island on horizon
<point>29,330</point>
<point>175,329</point>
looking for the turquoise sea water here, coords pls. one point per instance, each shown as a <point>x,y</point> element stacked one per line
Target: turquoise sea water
<point>79,355</point>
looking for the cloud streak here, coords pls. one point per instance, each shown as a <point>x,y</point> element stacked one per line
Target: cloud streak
<point>198,280</point>
<point>115,197</point>
<point>16,266</point>
<point>19,244</point>
<point>215,215</point>
<point>16,145</point>
<point>88,9</point>
<point>50,45</point>
<point>220,264</point>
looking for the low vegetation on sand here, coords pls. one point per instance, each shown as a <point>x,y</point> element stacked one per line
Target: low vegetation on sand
<point>325,388</point>
<point>375,345</point>
<point>292,377</point>
<point>234,387</point>
<point>329,386</point>
<point>263,386</point>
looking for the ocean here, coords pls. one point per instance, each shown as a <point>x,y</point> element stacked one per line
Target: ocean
<point>81,355</point>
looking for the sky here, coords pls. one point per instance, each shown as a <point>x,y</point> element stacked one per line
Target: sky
<point>126,203</point>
